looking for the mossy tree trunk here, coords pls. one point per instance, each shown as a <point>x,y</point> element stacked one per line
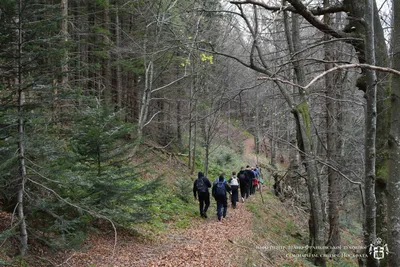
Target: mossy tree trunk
<point>334,189</point>
<point>304,139</point>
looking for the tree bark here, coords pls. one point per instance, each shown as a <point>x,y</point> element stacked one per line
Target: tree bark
<point>106,64</point>
<point>21,140</point>
<point>394,151</point>
<point>118,68</point>
<point>304,139</point>
<point>179,123</point>
<point>194,140</point>
<point>272,137</point>
<point>331,140</point>
<point>382,130</point>
<point>370,135</point>
<point>65,58</point>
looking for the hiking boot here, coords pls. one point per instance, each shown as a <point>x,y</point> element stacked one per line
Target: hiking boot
<point>220,219</point>
<point>205,215</point>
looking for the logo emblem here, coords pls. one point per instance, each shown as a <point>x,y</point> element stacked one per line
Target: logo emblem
<point>378,250</point>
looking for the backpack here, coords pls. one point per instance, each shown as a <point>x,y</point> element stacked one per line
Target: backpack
<point>242,178</point>
<point>220,189</point>
<point>234,181</point>
<point>201,186</point>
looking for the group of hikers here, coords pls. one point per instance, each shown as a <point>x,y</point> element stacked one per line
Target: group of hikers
<point>247,180</point>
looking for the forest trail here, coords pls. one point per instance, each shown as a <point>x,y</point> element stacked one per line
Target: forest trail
<point>207,242</point>
<point>248,152</point>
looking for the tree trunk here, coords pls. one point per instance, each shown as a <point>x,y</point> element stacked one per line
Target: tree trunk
<point>118,68</point>
<point>64,61</point>
<point>394,150</point>
<point>272,137</point>
<point>331,141</point>
<point>382,131</point>
<point>64,34</point>
<point>21,140</point>
<point>257,126</point>
<point>179,123</point>
<point>370,132</point>
<point>206,136</point>
<point>194,140</point>
<point>303,122</point>
<point>106,64</point>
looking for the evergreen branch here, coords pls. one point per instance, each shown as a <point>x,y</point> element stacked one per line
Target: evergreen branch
<point>82,209</point>
<point>44,177</point>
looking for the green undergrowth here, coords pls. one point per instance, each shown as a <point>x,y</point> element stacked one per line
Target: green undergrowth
<point>169,213</point>
<point>280,234</point>
<point>222,159</point>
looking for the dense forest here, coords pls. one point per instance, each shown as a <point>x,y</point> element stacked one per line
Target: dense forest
<point>91,91</point>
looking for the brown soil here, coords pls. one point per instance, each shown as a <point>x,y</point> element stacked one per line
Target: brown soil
<point>207,243</point>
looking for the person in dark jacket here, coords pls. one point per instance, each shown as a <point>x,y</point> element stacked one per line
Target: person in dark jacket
<point>219,189</point>
<point>234,183</point>
<point>250,176</point>
<point>243,181</point>
<point>200,189</point>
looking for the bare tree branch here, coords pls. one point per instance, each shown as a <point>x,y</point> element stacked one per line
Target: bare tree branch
<point>316,12</point>
<point>310,17</point>
<point>341,67</point>
<point>352,66</point>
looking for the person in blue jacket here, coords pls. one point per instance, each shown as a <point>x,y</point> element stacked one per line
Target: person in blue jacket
<point>219,190</point>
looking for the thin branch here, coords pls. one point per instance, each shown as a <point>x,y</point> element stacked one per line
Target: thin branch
<point>152,117</point>
<point>169,84</point>
<point>352,66</point>
<point>83,209</point>
<point>44,177</point>
<point>341,67</point>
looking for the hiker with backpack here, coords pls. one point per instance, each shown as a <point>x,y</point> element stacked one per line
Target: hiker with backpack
<point>234,183</point>
<point>200,187</point>
<point>219,189</point>
<point>243,182</point>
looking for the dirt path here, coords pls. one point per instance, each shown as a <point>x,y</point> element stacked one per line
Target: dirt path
<point>211,243</point>
<point>208,243</point>
<point>248,151</point>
